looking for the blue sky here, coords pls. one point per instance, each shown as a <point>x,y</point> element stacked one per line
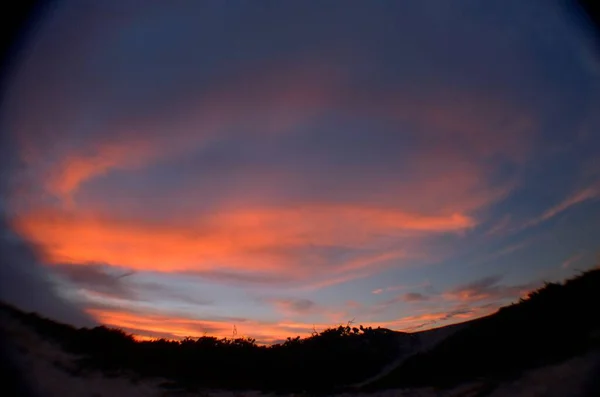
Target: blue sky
<point>190,166</point>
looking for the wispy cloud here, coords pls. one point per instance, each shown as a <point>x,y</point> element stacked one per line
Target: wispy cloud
<point>572,200</point>
<point>487,289</point>
<point>426,285</point>
<point>500,226</point>
<point>570,261</point>
<point>504,251</point>
<point>435,318</point>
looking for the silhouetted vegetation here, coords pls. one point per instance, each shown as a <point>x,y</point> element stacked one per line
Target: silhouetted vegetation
<point>336,356</point>
<point>552,324</point>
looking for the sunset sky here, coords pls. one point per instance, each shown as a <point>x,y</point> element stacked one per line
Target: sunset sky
<point>185,167</point>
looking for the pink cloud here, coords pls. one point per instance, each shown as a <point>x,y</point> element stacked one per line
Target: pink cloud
<point>273,102</point>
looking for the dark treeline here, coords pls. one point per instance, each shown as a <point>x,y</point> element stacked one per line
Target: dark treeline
<point>552,324</point>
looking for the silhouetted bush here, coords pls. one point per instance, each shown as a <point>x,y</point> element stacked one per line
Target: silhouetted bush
<point>323,361</point>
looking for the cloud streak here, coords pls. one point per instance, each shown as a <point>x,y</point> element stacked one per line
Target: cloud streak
<point>576,198</point>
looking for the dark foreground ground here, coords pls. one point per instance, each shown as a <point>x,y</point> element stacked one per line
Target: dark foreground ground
<point>546,344</point>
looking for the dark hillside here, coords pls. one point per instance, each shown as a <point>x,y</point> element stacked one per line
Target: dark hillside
<point>552,324</point>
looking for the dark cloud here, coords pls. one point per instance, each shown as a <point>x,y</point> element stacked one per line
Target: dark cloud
<point>302,305</point>
<point>121,283</point>
<point>240,278</point>
<point>414,297</point>
<point>407,297</point>
<point>480,285</point>
<point>164,291</point>
<point>24,282</point>
<point>293,305</point>
<point>98,278</point>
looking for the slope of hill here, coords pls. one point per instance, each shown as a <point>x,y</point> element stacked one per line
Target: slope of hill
<point>552,324</point>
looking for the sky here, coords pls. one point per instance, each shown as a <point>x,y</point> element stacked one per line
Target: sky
<point>188,168</point>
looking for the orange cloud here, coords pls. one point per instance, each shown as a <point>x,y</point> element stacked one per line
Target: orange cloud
<point>252,239</point>
<point>148,325</point>
<point>74,169</point>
